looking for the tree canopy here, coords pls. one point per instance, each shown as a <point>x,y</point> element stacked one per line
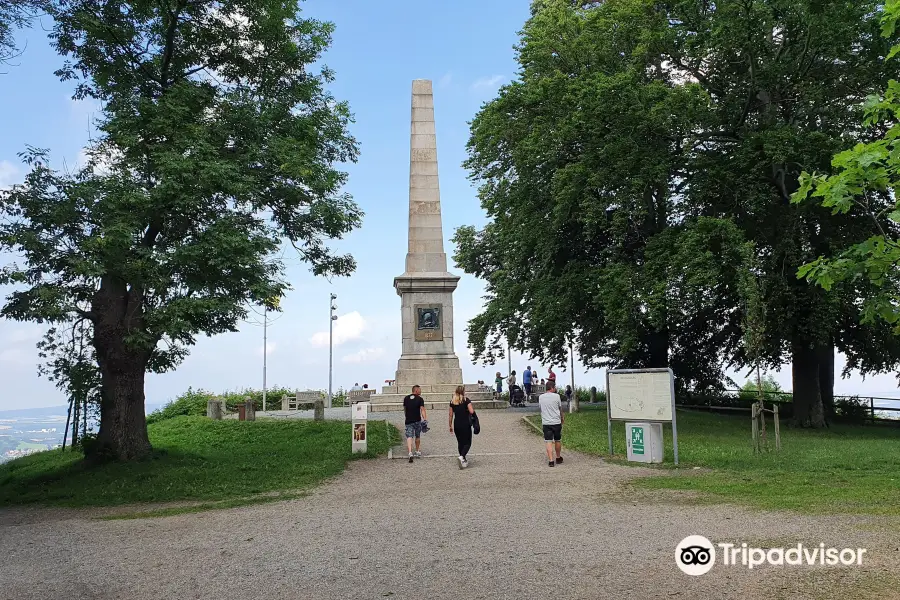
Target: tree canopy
<point>637,178</point>
<point>218,145</point>
<point>14,15</point>
<point>865,181</point>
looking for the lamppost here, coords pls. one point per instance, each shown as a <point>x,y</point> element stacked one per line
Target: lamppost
<point>274,302</point>
<point>265,350</point>
<point>331,320</point>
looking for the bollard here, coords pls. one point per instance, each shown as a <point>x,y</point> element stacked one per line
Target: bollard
<point>593,394</point>
<point>319,410</point>
<point>250,409</point>
<point>214,409</point>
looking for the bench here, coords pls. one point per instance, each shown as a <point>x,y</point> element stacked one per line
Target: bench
<point>354,396</point>
<point>301,400</point>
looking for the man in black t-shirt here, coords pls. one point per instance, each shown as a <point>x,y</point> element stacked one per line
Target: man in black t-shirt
<point>414,407</point>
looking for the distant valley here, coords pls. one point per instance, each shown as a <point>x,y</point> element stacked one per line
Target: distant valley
<point>27,430</point>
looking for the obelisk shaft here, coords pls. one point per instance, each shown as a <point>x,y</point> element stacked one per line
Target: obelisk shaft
<point>426,288</point>
<point>426,236</point>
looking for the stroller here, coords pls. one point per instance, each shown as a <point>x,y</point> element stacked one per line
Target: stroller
<point>516,396</point>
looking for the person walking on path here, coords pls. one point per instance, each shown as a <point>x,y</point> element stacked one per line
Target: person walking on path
<point>461,411</point>
<point>526,380</point>
<point>552,422</point>
<point>414,407</point>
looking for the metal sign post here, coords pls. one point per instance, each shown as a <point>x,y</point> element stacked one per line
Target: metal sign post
<point>646,395</point>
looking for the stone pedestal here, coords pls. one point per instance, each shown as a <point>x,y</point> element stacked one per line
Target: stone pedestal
<point>215,409</point>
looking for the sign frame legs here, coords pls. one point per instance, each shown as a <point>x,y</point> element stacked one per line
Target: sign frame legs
<point>674,419</point>
<point>608,419</point>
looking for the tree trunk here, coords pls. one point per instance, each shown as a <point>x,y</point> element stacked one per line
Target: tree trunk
<point>826,378</point>
<point>808,410</point>
<point>76,415</point>
<point>659,348</point>
<point>123,423</point>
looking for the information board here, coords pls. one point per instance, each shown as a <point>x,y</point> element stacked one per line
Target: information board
<point>640,395</point>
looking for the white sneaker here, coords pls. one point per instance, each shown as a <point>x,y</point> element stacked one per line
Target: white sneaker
<point>462,462</point>
<point>418,454</point>
<point>465,463</point>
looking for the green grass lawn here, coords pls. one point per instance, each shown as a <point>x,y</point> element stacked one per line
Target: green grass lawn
<point>196,459</point>
<point>844,469</point>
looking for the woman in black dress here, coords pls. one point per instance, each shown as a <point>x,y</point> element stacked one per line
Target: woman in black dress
<point>461,411</point>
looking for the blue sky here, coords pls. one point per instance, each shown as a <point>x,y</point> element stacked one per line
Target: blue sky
<point>465,47</point>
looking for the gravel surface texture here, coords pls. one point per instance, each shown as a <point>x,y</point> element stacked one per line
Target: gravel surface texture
<point>509,526</point>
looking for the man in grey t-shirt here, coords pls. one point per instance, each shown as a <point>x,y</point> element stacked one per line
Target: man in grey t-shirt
<point>552,422</point>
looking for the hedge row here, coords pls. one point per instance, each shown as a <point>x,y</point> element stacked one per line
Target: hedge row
<point>193,402</point>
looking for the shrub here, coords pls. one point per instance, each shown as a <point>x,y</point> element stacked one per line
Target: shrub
<point>771,390</point>
<point>583,394</point>
<point>191,403</point>
<point>851,410</point>
<point>273,398</point>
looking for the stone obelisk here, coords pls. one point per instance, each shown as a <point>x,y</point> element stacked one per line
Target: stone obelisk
<point>425,287</point>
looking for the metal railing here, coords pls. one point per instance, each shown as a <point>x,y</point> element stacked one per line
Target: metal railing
<point>875,404</point>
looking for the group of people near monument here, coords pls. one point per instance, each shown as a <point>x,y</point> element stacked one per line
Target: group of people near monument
<point>463,422</point>
<point>529,379</point>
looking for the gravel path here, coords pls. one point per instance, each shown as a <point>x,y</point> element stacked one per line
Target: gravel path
<point>507,527</point>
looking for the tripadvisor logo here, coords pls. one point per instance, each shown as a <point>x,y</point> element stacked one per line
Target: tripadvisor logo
<point>696,555</point>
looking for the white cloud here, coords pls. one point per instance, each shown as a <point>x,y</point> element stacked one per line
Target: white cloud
<point>270,349</point>
<point>23,335</point>
<point>347,328</point>
<point>364,355</point>
<point>14,356</point>
<point>102,166</point>
<point>445,80</point>
<point>9,174</point>
<point>83,114</point>
<point>487,83</point>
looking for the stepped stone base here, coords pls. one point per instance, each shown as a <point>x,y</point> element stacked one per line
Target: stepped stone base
<point>433,400</point>
<point>437,388</point>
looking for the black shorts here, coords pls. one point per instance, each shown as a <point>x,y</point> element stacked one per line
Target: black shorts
<point>553,433</point>
<point>528,388</point>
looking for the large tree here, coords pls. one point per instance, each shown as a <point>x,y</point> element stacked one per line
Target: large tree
<point>582,170</point>
<point>866,182</point>
<point>637,178</point>
<point>217,145</point>
<point>787,80</point>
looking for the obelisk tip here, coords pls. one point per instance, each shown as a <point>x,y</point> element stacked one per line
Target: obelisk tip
<point>421,86</point>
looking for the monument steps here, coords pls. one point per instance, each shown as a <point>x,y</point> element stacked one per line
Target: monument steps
<point>434,401</point>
